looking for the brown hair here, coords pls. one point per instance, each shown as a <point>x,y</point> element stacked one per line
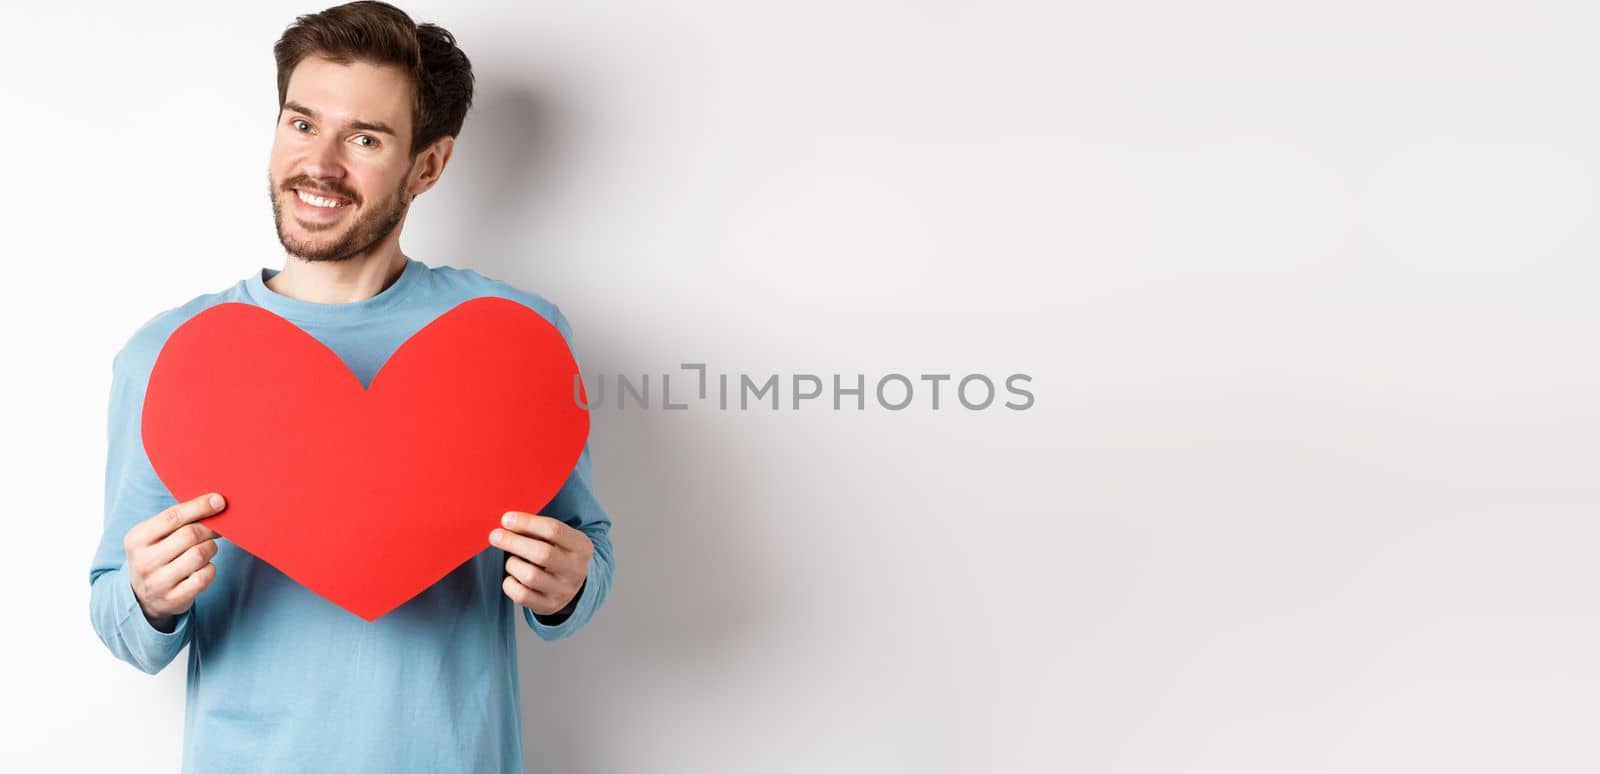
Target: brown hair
<point>381,34</point>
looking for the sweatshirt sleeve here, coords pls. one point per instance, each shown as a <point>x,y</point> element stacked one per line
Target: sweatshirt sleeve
<point>133,493</point>
<point>576,504</point>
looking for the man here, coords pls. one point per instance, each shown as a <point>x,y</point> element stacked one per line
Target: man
<point>280,679</point>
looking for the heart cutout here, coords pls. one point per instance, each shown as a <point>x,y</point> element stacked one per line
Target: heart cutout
<point>366,496</point>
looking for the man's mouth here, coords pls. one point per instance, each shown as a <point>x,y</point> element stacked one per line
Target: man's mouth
<point>324,201</point>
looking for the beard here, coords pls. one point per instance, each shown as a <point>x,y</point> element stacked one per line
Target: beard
<point>370,226</point>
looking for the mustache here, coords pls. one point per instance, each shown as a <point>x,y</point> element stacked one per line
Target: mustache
<point>306,185</point>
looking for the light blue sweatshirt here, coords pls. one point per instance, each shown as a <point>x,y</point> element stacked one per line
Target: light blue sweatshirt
<point>281,680</point>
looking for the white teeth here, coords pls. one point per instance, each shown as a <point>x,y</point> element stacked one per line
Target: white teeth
<point>316,201</point>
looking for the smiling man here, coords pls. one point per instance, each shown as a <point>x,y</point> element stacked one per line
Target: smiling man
<point>280,679</point>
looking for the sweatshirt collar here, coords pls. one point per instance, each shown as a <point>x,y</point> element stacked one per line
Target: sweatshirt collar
<point>350,311</point>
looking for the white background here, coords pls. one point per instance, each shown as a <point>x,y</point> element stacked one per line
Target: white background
<point>1307,292</point>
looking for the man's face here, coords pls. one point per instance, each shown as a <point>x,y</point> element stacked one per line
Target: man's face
<point>344,135</point>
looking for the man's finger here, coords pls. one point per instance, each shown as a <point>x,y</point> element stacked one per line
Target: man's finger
<point>532,577</point>
<point>540,552</point>
<point>186,563</point>
<point>547,528</point>
<point>180,540</point>
<point>168,521</point>
<point>525,596</point>
<point>190,587</point>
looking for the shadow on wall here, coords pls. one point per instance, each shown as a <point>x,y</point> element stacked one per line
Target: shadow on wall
<point>684,587</point>
<point>508,156</point>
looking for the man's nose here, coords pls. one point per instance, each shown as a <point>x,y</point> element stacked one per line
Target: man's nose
<point>326,158</point>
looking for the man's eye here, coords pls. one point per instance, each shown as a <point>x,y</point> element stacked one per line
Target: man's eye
<point>374,143</point>
<point>296,123</point>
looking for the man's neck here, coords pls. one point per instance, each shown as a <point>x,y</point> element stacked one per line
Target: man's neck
<point>337,282</point>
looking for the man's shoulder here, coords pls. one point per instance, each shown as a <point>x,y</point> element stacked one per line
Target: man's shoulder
<point>466,284</point>
<point>138,354</point>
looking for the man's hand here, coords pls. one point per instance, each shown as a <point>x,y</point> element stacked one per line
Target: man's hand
<point>546,560</point>
<point>169,558</point>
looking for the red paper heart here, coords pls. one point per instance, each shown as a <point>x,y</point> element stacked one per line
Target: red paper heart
<point>365,496</point>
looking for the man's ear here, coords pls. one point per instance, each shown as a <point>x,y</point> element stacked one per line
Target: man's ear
<point>430,164</point>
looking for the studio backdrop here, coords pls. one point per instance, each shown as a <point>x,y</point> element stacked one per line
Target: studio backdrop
<point>987,387</point>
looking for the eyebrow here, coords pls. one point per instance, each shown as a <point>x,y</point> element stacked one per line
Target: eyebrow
<point>370,126</point>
